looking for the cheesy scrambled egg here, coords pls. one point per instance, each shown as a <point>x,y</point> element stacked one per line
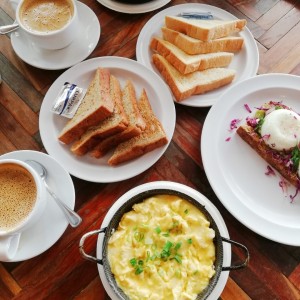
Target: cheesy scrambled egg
<point>162,249</point>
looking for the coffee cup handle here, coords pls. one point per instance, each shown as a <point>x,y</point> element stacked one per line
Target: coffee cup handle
<point>9,246</point>
<point>14,4</point>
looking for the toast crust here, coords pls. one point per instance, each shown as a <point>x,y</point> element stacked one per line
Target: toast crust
<point>254,140</point>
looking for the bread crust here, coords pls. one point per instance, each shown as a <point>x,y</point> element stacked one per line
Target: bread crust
<point>254,140</point>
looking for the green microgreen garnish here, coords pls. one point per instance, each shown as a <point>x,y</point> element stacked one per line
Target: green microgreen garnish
<point>157,230</point>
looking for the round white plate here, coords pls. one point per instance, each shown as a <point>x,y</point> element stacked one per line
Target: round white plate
<point>183,189</point>
<point>50,227</point>
<point>244,62</point>
<point>98,170</point>
<point>237,173</point>
<point>130,8</point>
<point>83,45</point>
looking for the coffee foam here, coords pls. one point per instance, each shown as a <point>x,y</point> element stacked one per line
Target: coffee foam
<point>46,16</point>
<point>18,194</point>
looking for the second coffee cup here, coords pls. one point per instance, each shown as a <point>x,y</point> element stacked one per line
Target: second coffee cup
<point>49,24</point>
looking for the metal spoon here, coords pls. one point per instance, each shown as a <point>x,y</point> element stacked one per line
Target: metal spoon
<point>73,218</point>
<point>8,28</point>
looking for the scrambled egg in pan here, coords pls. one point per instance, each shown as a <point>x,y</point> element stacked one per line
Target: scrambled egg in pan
<point>162,249</point>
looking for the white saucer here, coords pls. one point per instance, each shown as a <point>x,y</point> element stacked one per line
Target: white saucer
<point>213,211</point>
<point>83,45</point>
<point>53,223</point>
<point>132,8</point>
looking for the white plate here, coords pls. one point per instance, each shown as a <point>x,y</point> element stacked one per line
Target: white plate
<point>133,8</point>
<point>183,189</point>
<point>237,173</point>
<point>97,170</point>
<point>45,233</point>
<point>83,45</point>
<point>244,62</point>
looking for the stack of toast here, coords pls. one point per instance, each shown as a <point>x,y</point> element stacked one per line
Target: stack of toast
<point>110,117</point>
<point>193,54</point>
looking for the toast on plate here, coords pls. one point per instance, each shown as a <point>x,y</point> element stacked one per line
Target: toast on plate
<point>151,138</point>
<point>117,122</point>
<point>95,107</point>
<point>198,82</point>
<point>205,30</point>
<point>135,127</point>
<point>186,63</point>
<point>194,46</point>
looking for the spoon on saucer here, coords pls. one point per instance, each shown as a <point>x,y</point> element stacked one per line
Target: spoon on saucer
<point>8,28</point>
<point>73,218</point>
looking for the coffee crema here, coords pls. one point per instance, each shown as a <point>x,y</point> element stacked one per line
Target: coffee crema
<point>46,16</point>
<point>18,194</point>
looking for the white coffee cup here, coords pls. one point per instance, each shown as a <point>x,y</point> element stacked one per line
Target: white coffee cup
<point>22,202</point>
<point>44,34</point>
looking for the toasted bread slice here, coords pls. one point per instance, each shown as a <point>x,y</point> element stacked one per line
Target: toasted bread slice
<point>135,127</point>
<point>95,107</point>
<point>115,123</point>
<point>254,140</point>
<point>194,46</point>
<point>204,30</point>
<point>151,138</point>
<point>186,63</point>
<point>199,82</point>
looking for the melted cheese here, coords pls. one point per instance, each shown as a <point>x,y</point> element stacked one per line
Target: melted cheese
<point>142,235</point>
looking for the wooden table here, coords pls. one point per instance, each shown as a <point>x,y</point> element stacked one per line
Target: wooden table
<point>61,272</point>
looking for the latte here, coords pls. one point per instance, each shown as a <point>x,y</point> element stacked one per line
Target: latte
<point>46,16</point>
<point>18,195</point>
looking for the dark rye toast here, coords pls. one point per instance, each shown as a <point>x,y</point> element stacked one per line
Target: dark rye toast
<point>281,161</point>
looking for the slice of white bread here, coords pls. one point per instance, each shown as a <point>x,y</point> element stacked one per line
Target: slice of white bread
<point>199,82</point>
<point>115,123</point>
<point>151,138</point>
<point>205,30</point>
<point>194,46</point>
<point>255,141</point>
<point>95,107</point>
<point>135,127</point>
<point>186,63</point>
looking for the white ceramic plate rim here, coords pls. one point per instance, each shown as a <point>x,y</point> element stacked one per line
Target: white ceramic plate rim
<point>51,226</point>
<point>133,8</point>
<point>77,51</point>
<point>188,191</point>
<point>244,62</point>
<point>237,173</point>
<point>97,170</point>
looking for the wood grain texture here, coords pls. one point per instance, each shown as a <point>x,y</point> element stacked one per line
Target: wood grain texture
<point>61,272</point>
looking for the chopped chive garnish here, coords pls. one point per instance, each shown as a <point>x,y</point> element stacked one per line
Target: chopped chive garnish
<point>133,262</point>
<point>177,246</point>
<point>157,230</point>
<point>139,236</point>
<point>186,211</point>
<point>189,241</point>
<point>166,234</point>
<point>177,257</point>
<point>138,270</point>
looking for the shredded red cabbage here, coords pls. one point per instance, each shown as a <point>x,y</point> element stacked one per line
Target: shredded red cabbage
<point>234,123</point>
<point>248,108</point>
<point>270,171</point>
<point>228,139</point>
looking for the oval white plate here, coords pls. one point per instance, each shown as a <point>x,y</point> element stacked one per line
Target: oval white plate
<point>53,223</point>
<point>237,173</point>
<point>183,189</point>
<point>83,45</point>
<point>130,8</point>
<point>244,62</point>
<point>97,170</point>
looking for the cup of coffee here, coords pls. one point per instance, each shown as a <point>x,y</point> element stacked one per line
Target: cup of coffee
<point>22,202</point>
<point>49,24</point>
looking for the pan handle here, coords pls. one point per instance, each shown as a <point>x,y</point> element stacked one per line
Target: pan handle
<point>241,265</point>
<point>81,244</point>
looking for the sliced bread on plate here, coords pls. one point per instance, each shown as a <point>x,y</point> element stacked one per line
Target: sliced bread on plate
<point>205,30</point>
<point>194,46</point>
<point>95,107</point>
<point>135,127</point>
<point>115,123</point>
<point>151,138</point>
<point>186,63</point>
<point>199,82</point>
